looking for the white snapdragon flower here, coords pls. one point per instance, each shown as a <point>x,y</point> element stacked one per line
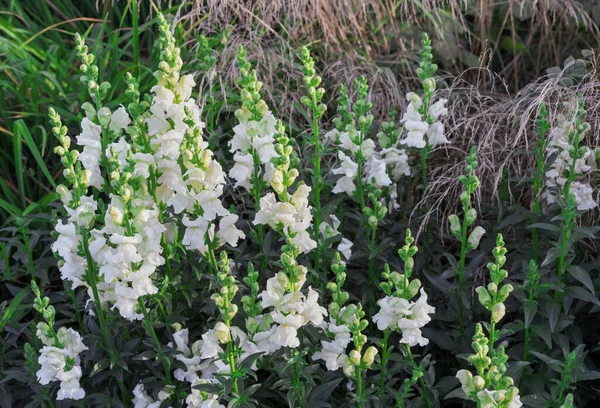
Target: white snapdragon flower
<point>409,317</point>
<point>344,185</point>
<point>438,109</point>
<point>413,322</point>
<point>391,309</point>
<point>415,126</point>
<point>90,138</point>
<point>377,172</point>
<point>228,232</point>
<point>119,120</point>
<point>398,160</point>
<point>72,266</point>
<point>435,134</point>
<point>242,170</point>
<point>345,248</point>
<point>287,329</point>
<point>332,351</point>
<point>53,363</point>
<point>584,196</point>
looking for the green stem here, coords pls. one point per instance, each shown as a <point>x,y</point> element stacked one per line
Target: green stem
<point>414,366</point>
<point>372,277</point>
<point>359,388</point>
<point>150,327</point>
<point>231,359</point>
<point>317,194</point>
<point>384,351</point>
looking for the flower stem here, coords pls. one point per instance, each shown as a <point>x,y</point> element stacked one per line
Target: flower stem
<point>150,327</point>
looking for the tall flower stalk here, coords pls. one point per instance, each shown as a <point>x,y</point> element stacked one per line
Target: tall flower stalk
<point>460,227</point>
<point>312,101</point>
<point>490,387</point>
<point>398,313</point>
<point>543,126</point>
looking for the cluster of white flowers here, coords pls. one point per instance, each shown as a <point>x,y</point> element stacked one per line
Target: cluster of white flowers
<point>128,251</point>
<point>189,178</point>
<point>418,127</point>
<point>474,385</point>
<point>555,177</point>
<point>333,352</point>
<point>293,217</point>
<point>409,317</point>
<point>59,361</point>
<point>141,399</point>
<point>349,143</point>
<point>253,140</point>
<point>291,310</point>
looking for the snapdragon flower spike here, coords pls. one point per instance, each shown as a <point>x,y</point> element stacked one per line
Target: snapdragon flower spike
<point>570,162</point>
<point>188,177</point>
<point>59,357</point>
<point>340,317</point>
<point>421,118</point>
<point>460,228</point>
<point>254,137</point>
<point>397,312</point>
<point>287,308</point>
<point>490,387</point>
<point>127,249</point>
<point>289,214</point>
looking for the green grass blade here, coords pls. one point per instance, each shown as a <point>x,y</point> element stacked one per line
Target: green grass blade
<point>20,128</point>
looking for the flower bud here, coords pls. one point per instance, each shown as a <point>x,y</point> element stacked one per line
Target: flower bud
<point>369,356</point>
<point>484,297</point>
<point>504,292</point>
<point>475,237</point>
<point>84,177</point>
<point>492,288</point>
<point>455,226</point>
<point>429,84</point>
<point>470,216</point>
<point>373,221</point>
<point>59,150</point>
<point>116,214</point>
<point>65,194</point>
<point>222,332</point>
<point>478,382</point>
<point>498,312</point>
<point>355,357</point>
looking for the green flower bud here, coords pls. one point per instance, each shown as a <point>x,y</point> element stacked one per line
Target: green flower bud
<point>498,312</point>
<point>470,216</point>
<point>455,226</point>
<point>222,332</point>
<point>369,357</point>
<point>484,297</point>
<point>355,357</point>
<point>475,237</point>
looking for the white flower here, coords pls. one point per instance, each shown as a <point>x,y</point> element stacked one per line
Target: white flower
<point>304,241</point>
<point>415,126</point>
<point>119,120</point>
<point>184,87</point>
<point>312,311</point>
<point>90,138</point>
<point>411,324</point>
<point>210,202</point>
<point>228,232</point>
<point>438,109</point>
<point>377,172</point>
<point>345,248</point>
<point>287,331</point>
<point>195,233</point>
<point>391,310</point>
<point>69,384</point>
<point>435,134</point>
<point>263,340</point>
<point>583,195</point>
<point>242,169</point>
<point>344,185</point>
<point>143,161</point>
<point>348,167</point>
<point>210,347</point>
